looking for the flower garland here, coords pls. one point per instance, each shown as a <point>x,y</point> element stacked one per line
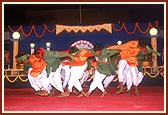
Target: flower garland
<point>83,29</point>
<point>136,26</point>
<point>152,75</point>
<point>25,80</point>
<point>15,79</point>
<point>31,30</point>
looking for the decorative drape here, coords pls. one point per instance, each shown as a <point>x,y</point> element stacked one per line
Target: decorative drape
<point>41,34</point>
<point>83,29</point>
<point>60,28</point>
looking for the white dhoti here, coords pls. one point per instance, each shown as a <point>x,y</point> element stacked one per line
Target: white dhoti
<point>65,74</point>
<point>108,80</point>
<point>97,82</point>
<point>121,68</point>
<point>41,82</point>
<point>55,79</point>
<point>140,77</point>
<point>129,74</point>
<point>127,78</point>
<point>84,77</point>
<point>76,75</point>
<point>134,75</point>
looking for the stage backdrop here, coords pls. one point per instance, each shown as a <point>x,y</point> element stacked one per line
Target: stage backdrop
<point>62,36</point>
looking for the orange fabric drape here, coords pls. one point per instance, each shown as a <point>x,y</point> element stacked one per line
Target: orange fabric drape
<point>38,65</point>
<point>128,51</point>
<point>81,57</point>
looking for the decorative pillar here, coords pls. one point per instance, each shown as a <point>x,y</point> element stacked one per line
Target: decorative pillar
<point>154,34</point>
<point>48,45</point>
<point>16,36</point>
<point>32,48</point>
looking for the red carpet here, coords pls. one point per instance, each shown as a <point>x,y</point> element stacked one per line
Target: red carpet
<point>151,99</point>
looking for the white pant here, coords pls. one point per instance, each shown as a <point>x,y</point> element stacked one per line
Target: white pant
<point>84,77</point>
<point>140,77</point>
<point>65,74</point>
<point>121,72</point>
<point>127,78</point>
<point>55,79</point>
<point>41,82</point>
<point>129,73</point>
<point>108,80</point>
<point>76,75</point>
<point>97,82</point>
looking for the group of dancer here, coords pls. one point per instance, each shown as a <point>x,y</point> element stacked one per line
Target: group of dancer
<point>64,70</point>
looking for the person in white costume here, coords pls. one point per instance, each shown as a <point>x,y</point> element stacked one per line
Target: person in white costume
<point>65,75</point>
<point>55,79</point>
<point>78,66</point>
<point>84,78</point>
<point>104,66</point>
<point>40,83</point>
<point>54,66</point>
<point>37,75</point>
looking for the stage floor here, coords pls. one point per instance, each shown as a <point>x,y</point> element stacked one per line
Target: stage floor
<point>23,100</point>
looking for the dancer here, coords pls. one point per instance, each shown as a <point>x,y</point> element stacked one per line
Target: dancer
<point>54,67</point>
<point>104,67</point>
<point>37,74</point>
<point>78,66</point>
<point>65,72</point>
<point>128,53</point>
<point>110,78</point>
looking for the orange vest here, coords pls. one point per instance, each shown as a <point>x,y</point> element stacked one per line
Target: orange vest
<point>128,51</point>
<point>81,58</point>
<point>38,65</point>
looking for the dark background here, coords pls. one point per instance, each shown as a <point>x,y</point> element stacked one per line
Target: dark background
<point>28,14</point>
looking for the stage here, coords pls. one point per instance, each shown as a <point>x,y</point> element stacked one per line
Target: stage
<point>23,100</point>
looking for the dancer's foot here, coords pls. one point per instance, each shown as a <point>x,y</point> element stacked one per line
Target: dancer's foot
<point>104,93</point>
<point>65,94</point>
<point>52,92</point>
<point>61,95</point>
<point>137,93</point>
<point>44,93</point>
<point>75,91</point>
<point>80,95</point>
<point>118,86</point>
<point>86,94</point>
<point>128,92</point>
<point>37,92</point>
<point>120,91</point>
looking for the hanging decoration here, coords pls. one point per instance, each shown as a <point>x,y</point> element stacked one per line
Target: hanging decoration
<point>33,29</point>
<point>60,28</point>
<point>26,79</point>
<point>147,71</point>
<point>15,79</point>
<point>137,26</point>
<point>83,29</point>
